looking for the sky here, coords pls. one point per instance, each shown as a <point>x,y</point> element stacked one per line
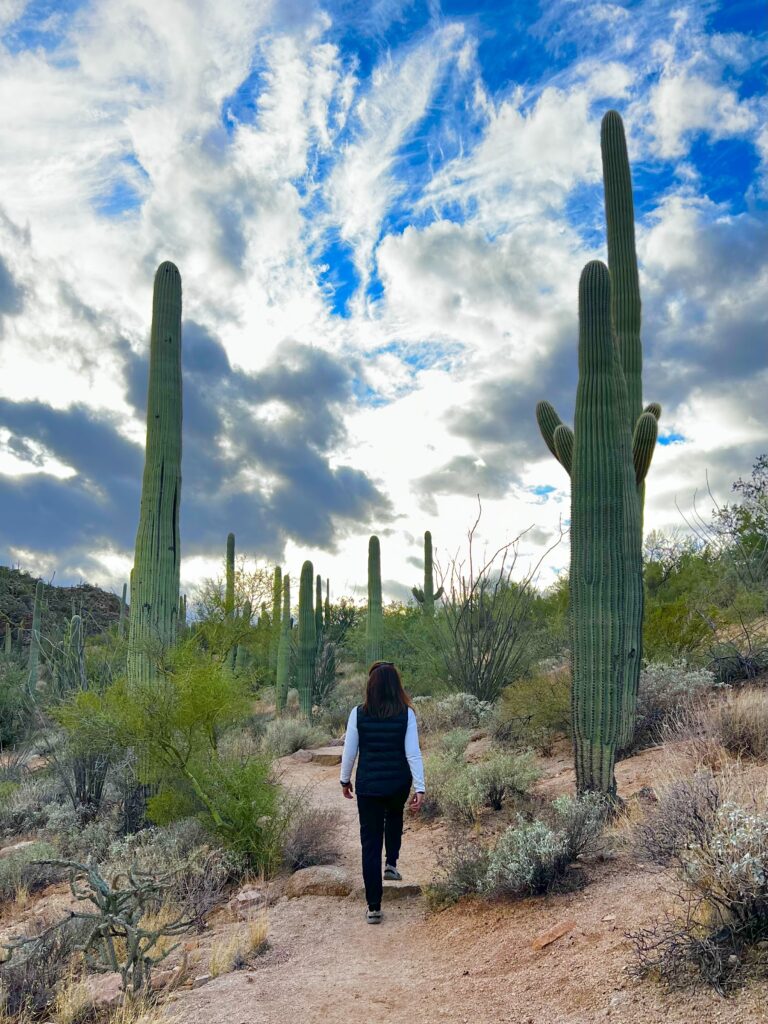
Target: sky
<point>380,212</point>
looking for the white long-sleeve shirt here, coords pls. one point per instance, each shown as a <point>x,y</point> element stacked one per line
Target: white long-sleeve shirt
<point>412,750</point>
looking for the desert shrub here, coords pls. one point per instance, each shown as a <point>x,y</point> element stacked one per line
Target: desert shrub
<point>332,718</point>
<point>29,805</point>
<point>15,706</point>
<point>286,735</point>
<point>742,724</point>
<point>664,689</point>
<point>460,791</point>
<point>408,637</point>
<point>19,870</point>
<point>683,817</point>
<point>462,869</point>
<point>454,743</point>
<point>29,981</point>
<point>311,836</point>
<point>534,709</point>
<point>534,856</point>
<point>456,711</point>
<point>719,919</point>
<point>237,949</point>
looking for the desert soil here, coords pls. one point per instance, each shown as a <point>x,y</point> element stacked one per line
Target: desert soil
<point>472,964</point>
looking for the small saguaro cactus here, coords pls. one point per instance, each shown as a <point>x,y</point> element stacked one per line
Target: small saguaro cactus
<point>276,625</point>
<point>121,617</point>
<point>157,557</point>
<point>374,626</point>
<point>327,609</point>
<point>8,640</point>
<point>229,586</point>
<point>33,660</point>
<point>307,640</point>
<point>283,672</point>
<point>318,606</point>
<point>426,596</point>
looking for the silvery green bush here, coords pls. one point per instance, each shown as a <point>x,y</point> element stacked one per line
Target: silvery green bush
<point>456,711</point>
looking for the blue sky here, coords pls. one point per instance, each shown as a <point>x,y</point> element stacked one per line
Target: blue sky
<point>394,199</point>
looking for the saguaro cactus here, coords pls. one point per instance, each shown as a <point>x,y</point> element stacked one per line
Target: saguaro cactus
<point>276,626</point>
<point>157,558</point>
<point>374,627</point>
<point>283,673</point>
<point>642,424</point>
<point>8,639</point>
<point>427,596</point>
<point>327,609</point>
<point>121,617</point>
<point>307,640</point>
<point>229,586</point>
<point>318,606</point>
<point>33,659</point>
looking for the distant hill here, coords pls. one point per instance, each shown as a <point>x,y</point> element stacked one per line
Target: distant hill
<point>98,608</point>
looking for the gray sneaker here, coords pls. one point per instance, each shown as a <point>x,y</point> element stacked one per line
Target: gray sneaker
<point>373,916</point>
<point>392,874</point>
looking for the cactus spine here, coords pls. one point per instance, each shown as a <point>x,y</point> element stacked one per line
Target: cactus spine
<point>121,617</point>
<point>276,626</point>
<point>229,586</point>
<point>307,640</point>
<point>34,643</point>
<point>318,606</point>
<point>426,596</point>
<point>155,575</point>
<point>284,648</point>
<point>374,622</point>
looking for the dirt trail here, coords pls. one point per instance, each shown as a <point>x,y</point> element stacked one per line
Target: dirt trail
<point>473,963</point>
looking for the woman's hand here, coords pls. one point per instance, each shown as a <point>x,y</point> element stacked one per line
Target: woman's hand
<point>347,791</point>
<point>416,801</point>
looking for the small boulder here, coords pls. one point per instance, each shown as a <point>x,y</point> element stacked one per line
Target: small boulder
<point>303,756</point>
<point>322,880</point>
<point>104,990</point>
<point>557,931</point>
<point>247,900</point>
<point>328,756</point>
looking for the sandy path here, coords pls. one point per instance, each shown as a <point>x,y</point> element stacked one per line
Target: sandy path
<point>473,963</point>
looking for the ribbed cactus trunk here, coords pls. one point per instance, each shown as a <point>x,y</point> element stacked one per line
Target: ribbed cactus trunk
<point>121,617</point>
<point>33,661</point>
<point>229,585</point>
<point>327,609</point>
<point>283,672</point>
<point>318,606</point>
<point>307,640</point>
<point>157,558</point>
<point>8,640</point>
<point>426,596</point>
<point>276,626</point>
<point>606,577</point>
<point>374,625</point>
<point>625,319</point>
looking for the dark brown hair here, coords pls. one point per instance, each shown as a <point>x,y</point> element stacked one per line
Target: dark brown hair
<point>384,694</point>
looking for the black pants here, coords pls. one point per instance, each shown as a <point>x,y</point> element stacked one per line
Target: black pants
<point>381,819</point>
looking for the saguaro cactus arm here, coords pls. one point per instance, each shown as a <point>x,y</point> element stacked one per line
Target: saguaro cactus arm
<point>563,441</point>
<point>654,409</point>
<point>549,421</point>
<point>644,444</point>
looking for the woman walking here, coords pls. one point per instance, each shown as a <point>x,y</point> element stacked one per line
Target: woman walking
<point>383,731</point>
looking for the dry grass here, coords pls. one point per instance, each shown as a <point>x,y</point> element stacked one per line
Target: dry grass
<point>235,950</point>
<point>715,733</point>
<point>743,724</point>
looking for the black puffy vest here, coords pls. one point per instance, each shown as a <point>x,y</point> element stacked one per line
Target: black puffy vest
<point>382,767</point>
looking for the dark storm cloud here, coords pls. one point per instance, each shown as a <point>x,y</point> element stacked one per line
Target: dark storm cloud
<point>11,294</point>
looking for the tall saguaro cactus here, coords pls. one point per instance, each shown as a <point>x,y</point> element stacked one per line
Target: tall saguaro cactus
<point>318,606</point>
<point>426,596</point>
<point>8,639</point>
<point>229,586</point>
<point>642,424</point>
<point>155,575</point>
<point>283,671</point>
<point>276,624</point>
<point>121,618</point>
<point>33,660</point>
<point>307,639</point>
<point>327,608</point>
<point>374,627</point>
